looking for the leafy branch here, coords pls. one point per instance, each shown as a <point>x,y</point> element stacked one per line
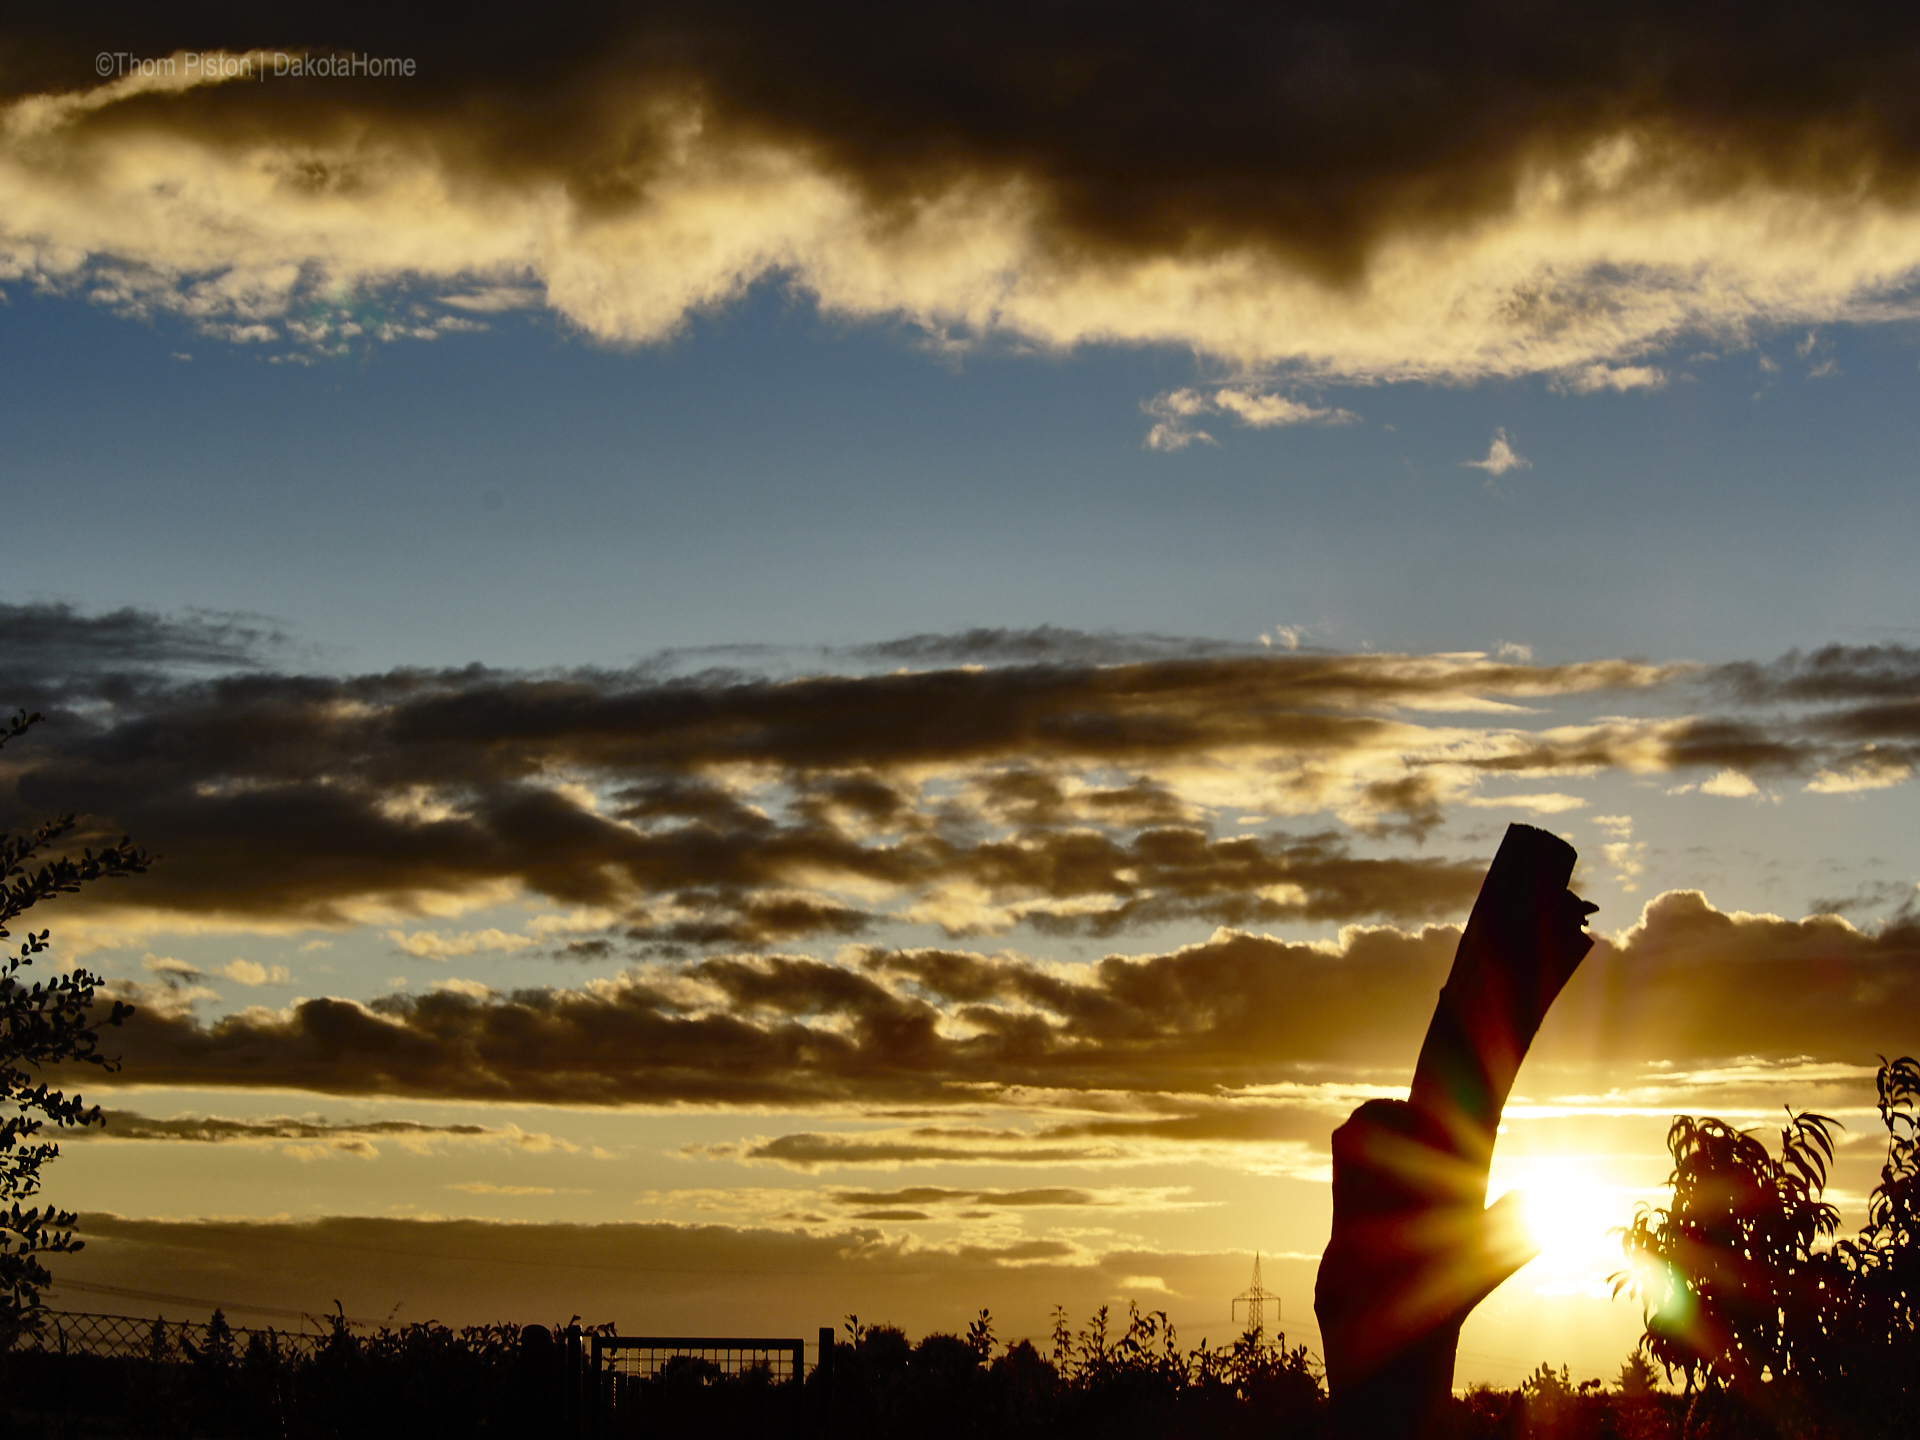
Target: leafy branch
<point>44,1023</point>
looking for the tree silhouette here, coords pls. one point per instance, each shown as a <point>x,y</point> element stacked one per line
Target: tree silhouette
<point>1748,1293</point>
<point>48,1023</point>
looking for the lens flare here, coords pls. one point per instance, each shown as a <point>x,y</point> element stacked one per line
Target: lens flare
<point>1569,1211</point>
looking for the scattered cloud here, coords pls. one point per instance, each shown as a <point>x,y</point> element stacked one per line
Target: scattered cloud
<point>1587,379</point>
<point>1175,412</point>
<point>306,1138</point>
<point>1501,457</point>
<point>1626,855</point>
<point>432,945</point>
<point>1731,784</point>
<point>1551,803</point>
<point>1870,772</point>
<point>249,972</point>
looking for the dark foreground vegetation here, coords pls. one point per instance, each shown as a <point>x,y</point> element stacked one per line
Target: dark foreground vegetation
<point>1777,1323</point>
<point>418,1380</point>
<point>1112,1378</point>
<point>1761,1318</point>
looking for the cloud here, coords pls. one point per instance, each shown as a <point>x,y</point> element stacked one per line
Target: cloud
<point>431,945</point>
<point>1869,773</point>
<point>310,1138</point>
<point>881,1026</point>
<point>472,989</point>
<point>1730,784</point>
<point>884,1025</point>
<point>1262,410</point>
<point>1829,674</point>
<point>1551,803</point>
<point>1587,379</point>
<point>1175,411</point>
<point>250,972</point>
<point>1286,1136</point>
<point>726,810</point>
<point>1043,1197</point>
<point>1870,896</point>
<point>1048,781</point>
<point>1339,189</point>
<point>1172,429</point>
<point>43,645</point>
<point>1626,855</point>
<point>1692,980</point>
<point>1043,644</point>
<point>680,1278</point>
<point>1501,457</point>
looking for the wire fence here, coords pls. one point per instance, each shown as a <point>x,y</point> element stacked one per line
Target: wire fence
<point>646,1356</point>
<point>167,1342</point>
<point>648,1386</point>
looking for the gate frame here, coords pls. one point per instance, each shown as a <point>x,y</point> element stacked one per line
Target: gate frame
<point>683,1344</point>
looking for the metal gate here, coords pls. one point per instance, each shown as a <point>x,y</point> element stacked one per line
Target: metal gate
<point>662,1387</point>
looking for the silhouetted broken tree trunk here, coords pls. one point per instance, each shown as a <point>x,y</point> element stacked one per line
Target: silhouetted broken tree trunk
<point>1414,1246</point>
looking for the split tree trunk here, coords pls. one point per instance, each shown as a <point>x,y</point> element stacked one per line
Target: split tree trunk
<point>1414,1246</point>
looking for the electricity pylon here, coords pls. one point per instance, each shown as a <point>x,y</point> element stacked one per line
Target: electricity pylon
<point>1256,1297</point>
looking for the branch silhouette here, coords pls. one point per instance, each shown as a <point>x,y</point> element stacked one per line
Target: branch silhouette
<point>51,1022</point>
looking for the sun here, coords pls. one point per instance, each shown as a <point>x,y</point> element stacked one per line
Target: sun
<point>1570,1208</point>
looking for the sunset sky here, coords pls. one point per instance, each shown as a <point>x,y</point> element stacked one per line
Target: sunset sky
<point>787,666</point>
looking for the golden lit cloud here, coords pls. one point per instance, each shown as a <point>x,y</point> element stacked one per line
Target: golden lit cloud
<point>626,183</point>
<point>1111,1056</point>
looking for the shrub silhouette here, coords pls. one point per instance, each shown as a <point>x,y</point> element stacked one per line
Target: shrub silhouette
<point>51,1022</point>
<point>1109,1379</point>
<point>1776,1325</point>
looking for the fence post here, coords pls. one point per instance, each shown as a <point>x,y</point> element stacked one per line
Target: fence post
<point>823,1372</point>
<point>573,1384</point>
<point>598,1384</point>
<point>542,1382</point>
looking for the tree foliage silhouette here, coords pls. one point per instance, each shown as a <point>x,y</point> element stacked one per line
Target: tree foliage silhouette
<point>54,1022</point>
<point>1748,1293</point>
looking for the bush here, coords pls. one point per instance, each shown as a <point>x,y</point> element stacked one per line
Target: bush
<point>1776,1325</point>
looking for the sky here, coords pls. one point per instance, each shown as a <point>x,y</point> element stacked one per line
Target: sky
<point>787,666</point>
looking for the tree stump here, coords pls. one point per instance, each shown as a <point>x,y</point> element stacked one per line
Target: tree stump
<point>1414,1245</point>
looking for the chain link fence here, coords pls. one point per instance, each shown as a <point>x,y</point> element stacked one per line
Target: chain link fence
<point>66,1332</point>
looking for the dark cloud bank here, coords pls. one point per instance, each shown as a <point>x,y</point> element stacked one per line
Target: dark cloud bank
<point>724,812</point>
<point>1312,130</point>
<point>1689,985</point>
<point>732,811</point>
<point>728,801</point>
